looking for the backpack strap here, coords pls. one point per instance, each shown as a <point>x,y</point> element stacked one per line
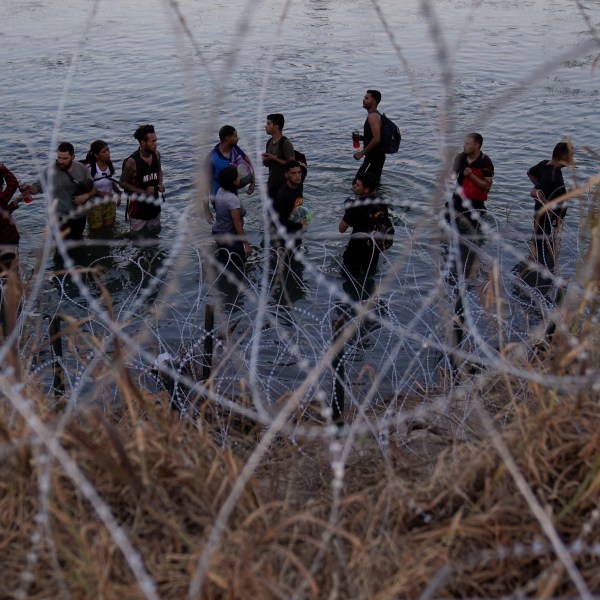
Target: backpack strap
<point>282,140</point>
<point>73,180</point>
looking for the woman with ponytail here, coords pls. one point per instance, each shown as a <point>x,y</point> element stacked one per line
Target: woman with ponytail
<point>228,227</point>
<point>102,171</point>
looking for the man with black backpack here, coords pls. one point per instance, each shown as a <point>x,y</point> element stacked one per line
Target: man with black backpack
<point>279,151</point>
<point>364,213</point>
<point>372,150</point>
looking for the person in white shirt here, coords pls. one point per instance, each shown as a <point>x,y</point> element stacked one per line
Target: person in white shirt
<point>101,169</point>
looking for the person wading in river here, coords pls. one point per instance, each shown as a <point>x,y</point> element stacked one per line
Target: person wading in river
<point>278,151</point>
<point>102,170</point>
<point>372,151</point>
<point>142,174</point>
<point>474,174</point>
<point>549,185</point>
<point>226,153</point>
<point>72,186</point>
<point>10,290</point>
<point>361,255</point>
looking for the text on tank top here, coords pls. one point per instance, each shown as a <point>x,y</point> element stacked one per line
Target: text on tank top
<point>146,175</point>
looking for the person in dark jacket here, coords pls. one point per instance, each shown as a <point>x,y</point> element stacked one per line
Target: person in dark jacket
<point>548,185</point>
<point>10,292</point>
<point>361,255</point>
<point>9,234</point>
<point>287,200</point>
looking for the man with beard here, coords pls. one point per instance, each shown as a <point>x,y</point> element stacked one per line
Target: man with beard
<point>227,153</point>
<point>474,173</point>
<point>142,175</point>
<point>71,184</point>
<point>372,151</point>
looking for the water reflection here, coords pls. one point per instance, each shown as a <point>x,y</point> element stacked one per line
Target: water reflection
<point>463,251</point>
<point>230,279</point>
<point>318,90</point>
<point>288,284</point>
<point>103,268</point>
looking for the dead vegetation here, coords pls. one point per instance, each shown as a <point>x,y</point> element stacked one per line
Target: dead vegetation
<point>508,508</point>
<point>452,520</point>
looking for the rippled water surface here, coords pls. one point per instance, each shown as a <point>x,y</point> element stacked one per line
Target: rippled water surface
<point>524,74</point>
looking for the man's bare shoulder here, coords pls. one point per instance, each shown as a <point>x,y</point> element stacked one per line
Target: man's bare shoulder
<point>128,169</point>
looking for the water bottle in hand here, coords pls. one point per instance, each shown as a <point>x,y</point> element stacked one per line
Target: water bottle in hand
<point>25,194</point>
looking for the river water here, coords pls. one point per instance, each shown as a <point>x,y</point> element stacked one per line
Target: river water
<point>523,73</point>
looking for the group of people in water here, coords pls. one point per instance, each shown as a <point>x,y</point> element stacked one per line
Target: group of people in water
<point>89,192</point>
<point>474,176</point>
<point>229,169</point>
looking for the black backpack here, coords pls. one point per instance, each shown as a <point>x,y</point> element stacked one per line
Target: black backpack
<point>383,229</point>
<point>301,158</point>
<point>390,135</point>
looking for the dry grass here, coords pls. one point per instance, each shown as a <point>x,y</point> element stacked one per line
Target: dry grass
<point>429,514</point>
<point>403,519</point>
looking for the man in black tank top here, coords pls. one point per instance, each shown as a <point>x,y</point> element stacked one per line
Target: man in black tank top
<point>142,174</point>
<point>372,151</point>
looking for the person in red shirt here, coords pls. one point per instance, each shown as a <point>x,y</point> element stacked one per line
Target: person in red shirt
<point>10,293</point>
<point>9,234</point>
<point>474,175</point>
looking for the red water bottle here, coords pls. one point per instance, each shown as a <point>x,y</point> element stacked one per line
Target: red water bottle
<point>355,139</point>
<point>26,196</point>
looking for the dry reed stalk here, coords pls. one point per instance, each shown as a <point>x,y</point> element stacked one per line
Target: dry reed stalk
<point>432,514</point>
<point>395,531</point>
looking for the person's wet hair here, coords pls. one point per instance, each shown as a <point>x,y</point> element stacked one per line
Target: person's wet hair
<point>375,94</point>
<point>562,151</point>
<point>291,164</point>
<point>227,178</point>
<point>95,148</point>
<point>277,119</point>
<point>369,181</point>
<point>66,147</point>
<point>476,137</point>
<point>226,131</point>
<point>142,131</point>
